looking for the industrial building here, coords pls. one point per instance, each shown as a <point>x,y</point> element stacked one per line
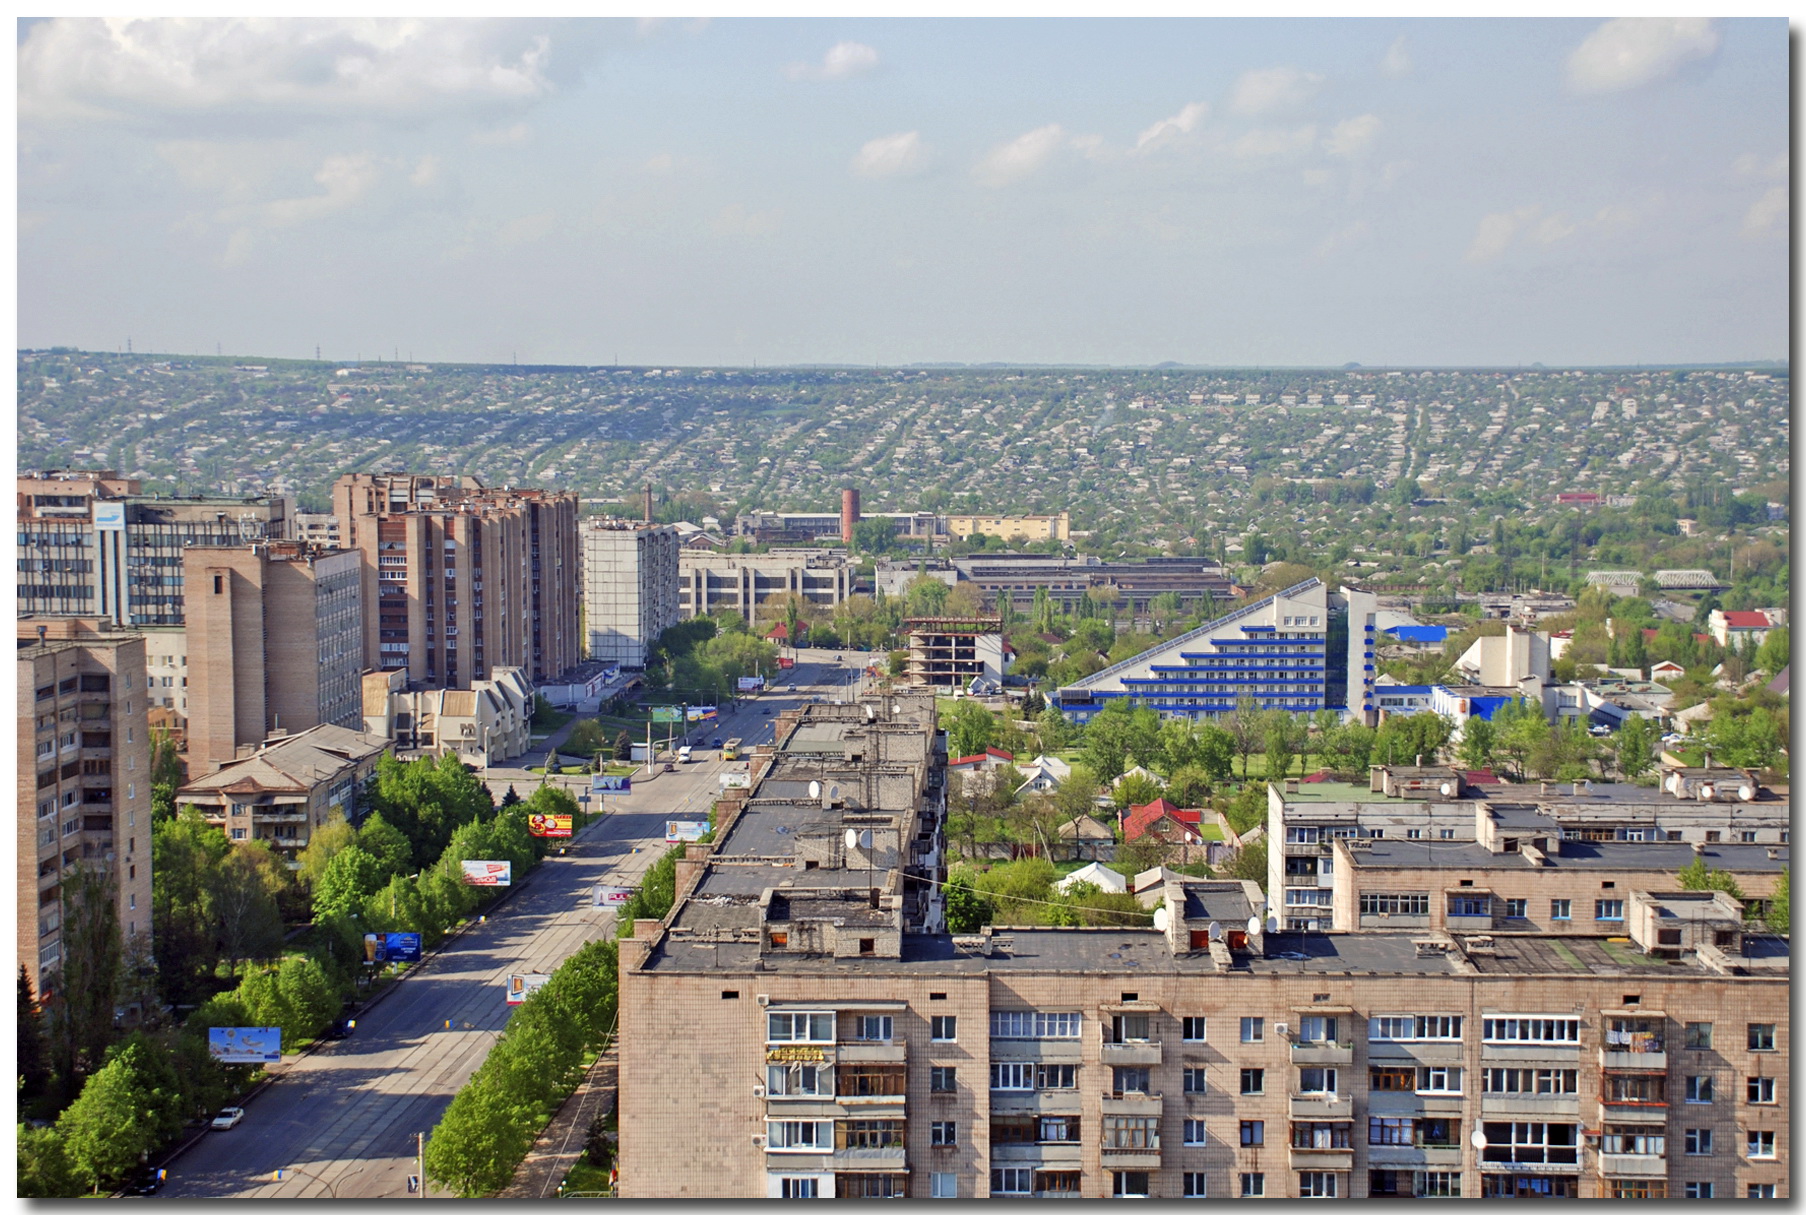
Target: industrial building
<point>745,582</point>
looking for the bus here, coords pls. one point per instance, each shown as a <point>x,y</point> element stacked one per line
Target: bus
<point>730,749</point>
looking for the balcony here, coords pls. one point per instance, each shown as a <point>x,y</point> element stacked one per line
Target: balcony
<point>1120,1158</point>
<point>872,1052</point>
<point>1322,1054</point>
<point>1134,1105</point>
<point>866,1158</point>
<point>1624,1165</point>
<point>1633,1111</point>
<point>1334,1159</point>
<point>1413,1155</point>
<point>1469,923</point>
<point>1519,1106</point>
<point>1634,1060</point>
<point>1132,1053</point>
<point>1321,1107</point>
<point>1065,1153</point>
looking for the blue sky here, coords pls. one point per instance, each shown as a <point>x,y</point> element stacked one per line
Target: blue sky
<point>861,191</point>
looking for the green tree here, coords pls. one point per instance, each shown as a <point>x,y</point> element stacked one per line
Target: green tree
<point>970,728</point>
<point>1136,789</point>
<point>1190,787</point>
<point>33,1056</point>
<point>1285,738</point>
<point>967,910</point>
<point>93,953</point>
<point>1400,740</point>
<point>248,921</point>
<point>1780,905</point>
<point>1774,654</point>
<point>1701,876</point>
<point>44,1168</point>
<point>1636,743</point>
<point>481,1132</point>
<point>1478,738</point>
<point>623,746</point>
<point>309,994</point>
<point>1215,752</point>
<point>326,841</point>
<point>1055,731</point>
<point>125,1110</point>
<point>386,843</point>
<point>1249,864</point>
<point>1246,730</point>
<point>349,878</point>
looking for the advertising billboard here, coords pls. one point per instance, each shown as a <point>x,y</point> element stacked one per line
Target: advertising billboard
<point>677,832</point>
<point>602,783</point>
<point>701,712</point>
<point>609,896</point>
<point>489,873</point>
<point>398,947</point>
<point>109,516</point>
<point>749,683</point>
<point>667,713</point>
<point>736,780</point>
<point>522,986</point>
<point>549,825</point>
<point>241,1045</point>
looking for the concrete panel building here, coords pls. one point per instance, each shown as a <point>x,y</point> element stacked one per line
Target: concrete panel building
<point>83,780</point>
<point>744,582</point>
<point>275,642</point>
<point>951,653</point>
<point>631,585</point>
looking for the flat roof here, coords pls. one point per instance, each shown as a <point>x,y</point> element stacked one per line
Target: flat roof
<point>1616,956</point>
<point>1333,791</point>
<point>1574,854</point>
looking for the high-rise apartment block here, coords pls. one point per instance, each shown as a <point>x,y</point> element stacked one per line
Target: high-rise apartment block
<point>94,544</point>
<point>459,578</point>
<point>630,588</point>
<point>275,642</point>
<point>800,1025</point>
<point>83,779</point>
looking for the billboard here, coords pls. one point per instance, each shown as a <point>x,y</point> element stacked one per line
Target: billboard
<point>609,896</point>
<point>489,873</point>
<point>398,947</point>
<point>241,1045</point>
<point>667,713</point>
<point>736,780</point>
<point>701,712</point>
<point>603,783</point>
<point>749,683</point>
<point>109,516</point>
<point>676,831</point>
<point>522,986</point>
<point>549,825</point>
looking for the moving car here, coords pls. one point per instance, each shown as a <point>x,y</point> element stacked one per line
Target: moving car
<point>341,1028</point>
<point>147,1182</point>
<point>228,1118</point>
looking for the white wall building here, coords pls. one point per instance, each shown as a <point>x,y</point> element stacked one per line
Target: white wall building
<point>630,588</point>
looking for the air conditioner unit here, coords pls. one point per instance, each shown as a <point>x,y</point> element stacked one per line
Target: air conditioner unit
<point>758,1141</point>
<point>758,1090</point>
<point>762,1000</point>
<point>1280,1029</point>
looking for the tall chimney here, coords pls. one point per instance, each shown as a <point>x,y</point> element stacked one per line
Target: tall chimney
<point>648,501</point>
<point>849,513</point>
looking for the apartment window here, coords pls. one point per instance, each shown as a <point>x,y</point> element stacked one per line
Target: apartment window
<point>1063,1184</point>
<point>1699,1141</point>
<point>1320,1136</point>
<point>1056,1075</point>
<point>797,1187</point>
<point>1394,1132</point>
<point>1012,1075</point>
<point>1608,909</point>
<point>1541,1081</point>
<point>1413,833</point>
<point>1130,1080</point>
<point>1439,1185</point>
<point>1317,1185</point>
<point>1058,1128</point>
<point>1762,1190</point>
<point>1195,1185</point>
<point>799,1027</point>
<point>238,833</point>
<point>1761,1090</point>
<point>1034,1025</point>
<point>1698,1035</point>
<point>1131,1134</point>
<point>1194,1132</point>
<point>871,1029</point>
<point>1254,1081</point>
<point>1195,1080</point>
<point>943,1134</point>
<point>1699,1090</point>
<point>1254,1185</point>
<point>940,1079</point>
<point>1447,833</point>
<point>1254,1029</point>
<point>1316,1079</point>
<point>1191,1029</point>
<point>799,1134</point>
<point>1316,1029</point>
<point>943,1185</point>
<point>1254,1133</point>
<point>1530,1143</point>
<point>1762,1037</point>
<point>1517,909</point>
<point>1470,904</point>
<point>943,1029</point>
<point>1438,1079</point>
<point>1130,1185</point>
<point>1012,1181</point>
<point>1759,1145</point>
<point>1698,1189</point>
<point>1392,1079</point>
<point>1633,1141</point>
<point>1508,1030</point>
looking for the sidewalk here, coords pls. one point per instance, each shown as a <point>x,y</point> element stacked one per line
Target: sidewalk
<point>562,1142</point>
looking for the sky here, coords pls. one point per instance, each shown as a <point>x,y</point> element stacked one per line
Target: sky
<point>1207,191</point>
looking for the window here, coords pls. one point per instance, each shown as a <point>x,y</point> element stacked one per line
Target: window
<point>870,1133</point>
<point>238,833</point>
<point>795,1080</point>
<point>1517,909</point>
<point>1761,1090</point>
<point>941,1079</point>
<point>1392,1079</point>
<point>1541,1081</point>
<point>1130,1185</point>
<point>1131,1134</point>
<point>1034,1025</point>
<point>1195,1185</point>
<point>1058,1128</point>
<point>1395,904</point>
<point>1530,1143</point>
<point>1057,1185</point>
<point>1254,1133</point>
<point>1130,1080</point>
<point>1438,1079</point>
<point>1254,1185</point>
<point>871,1029</point>
<point>942,1029</point>
<point>797,1187</point>
<point>1194,1080</point>
<point>1254,1029</point>
<point>1012,1075</point>
<point>1507,1030</point>
<point>1317,1185</point>
<point>943,1185</point>
<point>1191,1029</point>
<point>1194,1133</point>
<point>1254,1081</point>
<point>1316,1029</point>
<point>1646,1088</point>
<point>1698,1035</point>
<point>1470,904</point>
<point>1056,1075</point>
<point>1760,1190</point>
<point>1699,1090</point>
<point>1608,909</point>
<point>1762,1037</point>
<point>1699,1141</point>
<point>1439,1185</point>
<point>1447,833</point>
<point>870,1185</point>
<point>1320,1136</point>
<point>1012,1181</point>
<point>943,1134</point>
<point>799,1135</point>
<point>1316,1079</point>
<point>799,1027</point>
<point>1633,1140</point>
<point>1389,1131</point>
<point>1698,1189</point>
<point>1759,1145</point>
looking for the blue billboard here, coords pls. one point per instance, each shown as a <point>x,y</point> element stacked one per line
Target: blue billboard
<point>398,947</point>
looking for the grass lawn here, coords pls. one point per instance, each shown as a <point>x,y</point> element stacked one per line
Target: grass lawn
<point>1210,831</point>
<point>584,1178</point>
<point>549,720</point>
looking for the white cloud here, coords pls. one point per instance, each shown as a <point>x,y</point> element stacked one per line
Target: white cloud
<point>891,156</point>
<point>1613,216</point>
<point>1496,232</point>
<point>1012,161</point>
<point>1555,227</point>
<point>1349,234</point>
<point>426,172</point>
<point>1352,137</point>
<point>1397,61</point>
<point>842,60</point>
<point>1751,165</point>
<point>1168,129</point>
<point>343,180</point>
<point>84,68</point>
<point>1267,90</point>
<point>1629,52</point>
<point>1767,213</point>
<point>1276,143</point>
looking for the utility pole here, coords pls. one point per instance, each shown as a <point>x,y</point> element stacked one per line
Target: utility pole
<point>420,1161</point>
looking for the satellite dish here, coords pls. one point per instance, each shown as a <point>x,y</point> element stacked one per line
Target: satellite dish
<point>833,793</point>
<point>852,838</point>
<point>1745,793</point>
<point>814,788</point>
<point>1216,931</point>
<point>1705,793</point>
<point>1448,790</point>
<point>1161,919</point>
<point>1253,925</point>
<point>865,839</point>
<point>1272,923</point>
<point>1478,1138</point>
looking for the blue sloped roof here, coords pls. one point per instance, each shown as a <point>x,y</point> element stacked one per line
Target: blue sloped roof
<point>1422,634</point>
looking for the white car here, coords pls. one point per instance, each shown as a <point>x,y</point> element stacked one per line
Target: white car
<point>228,1118</point>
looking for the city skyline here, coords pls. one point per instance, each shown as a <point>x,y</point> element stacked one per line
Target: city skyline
<point>849,191</point>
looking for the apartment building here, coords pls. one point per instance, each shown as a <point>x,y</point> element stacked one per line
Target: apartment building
<point>489,723</point>
<point>796,1028</point>
<point>92,543</point>
<point>1274,652</point>
<point>631,588</point>
<point>285,789</point>
<point>460,578</point>
<point>745,582</point>
<point>275,641</point>
<point>951,653</point>
<point>83,779</point>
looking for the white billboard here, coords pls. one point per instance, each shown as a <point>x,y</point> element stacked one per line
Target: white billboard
<point>522,986</point>
<point>680,832</point>
<point>489,873</point>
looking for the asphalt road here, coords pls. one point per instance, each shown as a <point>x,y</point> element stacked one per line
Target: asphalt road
<point>342,1121</point>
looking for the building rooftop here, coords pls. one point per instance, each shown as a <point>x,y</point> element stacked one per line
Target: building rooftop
<point>1616,956</point>
<point>1574,854</point>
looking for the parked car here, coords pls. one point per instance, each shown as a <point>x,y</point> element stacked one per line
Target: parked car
<point>670,767</point>
<point>228,1118</point>
<point>341,1028</point>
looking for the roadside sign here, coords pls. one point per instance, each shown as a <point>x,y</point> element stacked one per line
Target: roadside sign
<point>609,896</point>
<point>667,713</point>
<point>240,1044</point>
<point>522,986</point>
<point>676,831</point>
<point>602,783</point>
<point>489,873</point>
<point>398,947</point>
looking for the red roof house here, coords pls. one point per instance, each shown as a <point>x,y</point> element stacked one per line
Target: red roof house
<point>1164,821</point>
